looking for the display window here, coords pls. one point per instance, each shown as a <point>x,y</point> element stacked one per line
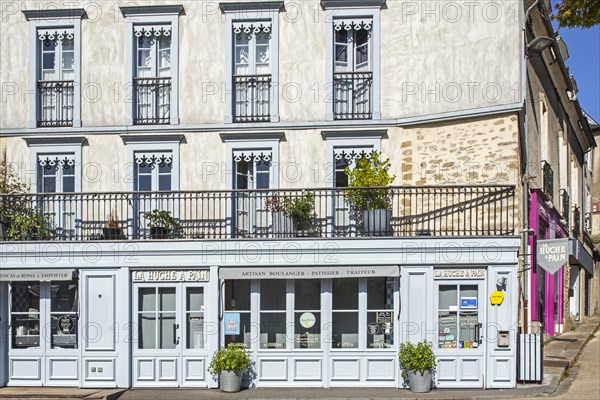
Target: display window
<point>44,314</point>
<point>458,316</point>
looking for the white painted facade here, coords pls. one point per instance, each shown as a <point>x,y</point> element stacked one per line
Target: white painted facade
<point>445,102</point>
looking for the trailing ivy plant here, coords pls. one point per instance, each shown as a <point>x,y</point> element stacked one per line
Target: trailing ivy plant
<point>416,357</point>
<point>370,171</point>
<point>231,358</point>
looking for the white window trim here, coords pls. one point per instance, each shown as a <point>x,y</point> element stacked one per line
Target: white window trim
<point>355,9</point>
<point>153,144</point>
<point>52,19</point>
<point>348,140</point>
<point>237,142</point>
<point>151,15</point>
<point>255,11</point>
<point>57,146</point>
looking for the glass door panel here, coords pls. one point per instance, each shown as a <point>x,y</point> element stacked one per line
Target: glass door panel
<point>458,316</point>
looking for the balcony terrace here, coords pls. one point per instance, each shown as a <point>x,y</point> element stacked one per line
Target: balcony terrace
<point>262,214</point>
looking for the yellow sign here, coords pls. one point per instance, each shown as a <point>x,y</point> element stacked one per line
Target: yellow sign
<point>496,298</point>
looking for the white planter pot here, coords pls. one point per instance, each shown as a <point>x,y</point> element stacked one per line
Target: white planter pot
<point>419,383</point>
<point>377,222</point>
<point>231,381</point>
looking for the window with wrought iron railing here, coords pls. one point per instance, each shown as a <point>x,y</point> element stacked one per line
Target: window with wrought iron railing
<point>152,100</point>
<point>252,98</point>
<point>548,179</point>
<point>352,76</point>
<point>565,206</point>
<point>56,77</point>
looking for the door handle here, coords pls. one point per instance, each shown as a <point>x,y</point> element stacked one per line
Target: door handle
<point>478,332</point>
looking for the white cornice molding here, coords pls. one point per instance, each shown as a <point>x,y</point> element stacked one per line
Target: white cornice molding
<point>272,126</point>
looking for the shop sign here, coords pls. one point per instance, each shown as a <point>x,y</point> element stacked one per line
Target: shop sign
<point>496,298</point>
<point>552,254</point>
<point>384,316</point>
<point>468,302</point>
<point>44,275</point>
<point>307,320</point>
<point>199,275</point>
<point>65,324</point>
<point>231,323</point>
<point>463,273</point>
<point>309,272</point>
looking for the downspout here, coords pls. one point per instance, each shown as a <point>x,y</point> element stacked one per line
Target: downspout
<point>526,271</point>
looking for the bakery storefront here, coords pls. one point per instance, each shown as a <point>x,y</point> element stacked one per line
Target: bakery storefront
<point>43,321</point>
<point>315,326</point>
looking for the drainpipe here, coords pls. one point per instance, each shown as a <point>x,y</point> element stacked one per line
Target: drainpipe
<point>525,231</point>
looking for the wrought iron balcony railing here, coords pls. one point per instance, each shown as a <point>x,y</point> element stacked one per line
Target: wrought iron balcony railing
<point>565,206</point>
<point>55,104</point>
<point>252,98</point>
<point>587,223</point>
<point>352,95</point>
<point>548,179</point>
<point>152,101</point>
<point>267,214</point>
<point>576,221</point>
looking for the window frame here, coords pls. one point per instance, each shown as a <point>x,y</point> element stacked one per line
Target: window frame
<point>55,147</point>
<point>143,16</point>
<point>251,12</point>
<point>361,9</point>
<point>53,19</point>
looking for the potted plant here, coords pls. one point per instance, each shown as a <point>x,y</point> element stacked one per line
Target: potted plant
<point>373,206</point>
<point>112,231</point>
<point>283,223</point>
<point>162,225</point>
<point>418,363</point>
<point>229,364</point>
<point>302,210</point>
<point>27,226</point>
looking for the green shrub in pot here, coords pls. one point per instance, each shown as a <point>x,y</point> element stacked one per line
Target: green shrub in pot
<point>418,362</point>
<point>229,364</point>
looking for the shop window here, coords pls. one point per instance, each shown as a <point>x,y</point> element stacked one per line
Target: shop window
<point>237,298</point>
<point>272,314</point>
<point>25,314</point>
<point>458,316</point>
<point>380,312</point>
<point>48,308</point>
<point>156,318</point>
<point>345,313</point>
<point>194,318</point>
<point>307,314</point>
<point>64,304</point>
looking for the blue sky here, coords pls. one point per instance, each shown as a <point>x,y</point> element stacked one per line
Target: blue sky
<point>584,65</point>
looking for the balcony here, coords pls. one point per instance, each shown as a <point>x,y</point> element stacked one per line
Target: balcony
<point>271,214</point>
<point>352,95</point>
<point>152,101</point>
<point>548,180</point>
<point>587,223</point>
<point>55,103</point>
<point>565,206</point>
<point>252,98</point>
<point>576,221</point>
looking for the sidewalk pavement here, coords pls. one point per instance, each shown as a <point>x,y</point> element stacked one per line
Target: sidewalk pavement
<point>559,355</point>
